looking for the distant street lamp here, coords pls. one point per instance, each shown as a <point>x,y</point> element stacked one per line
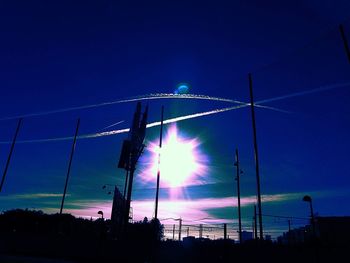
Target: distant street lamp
<point>307,198</point>
<point>238,172</point>
<point>100,213</point>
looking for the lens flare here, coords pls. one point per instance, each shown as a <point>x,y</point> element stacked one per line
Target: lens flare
<point>182,88</point>
<point>181,161</point>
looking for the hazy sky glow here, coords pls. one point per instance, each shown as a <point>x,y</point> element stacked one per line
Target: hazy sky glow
<point>63,60</point>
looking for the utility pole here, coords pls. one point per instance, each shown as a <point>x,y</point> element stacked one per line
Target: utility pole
<point>174,232</point>
<point>238,171</point>
<point>289,233</point>
<point>345,41</point>
<point>188,231</point>
<point>313,219</point>
<point>308,199</point>
<point>10,154</point>
<point>256,155</point>
<point>200,231</point>
<point>158,173</point>
<point>288,225</point>
<point>70,164</point>
<point>255,224</point>
<point>180,228</point>
<point>225,231</point>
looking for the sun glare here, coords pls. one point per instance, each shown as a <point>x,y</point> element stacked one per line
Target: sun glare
<point>181,162</point>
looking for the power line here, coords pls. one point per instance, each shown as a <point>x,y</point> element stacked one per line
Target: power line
<point>286,217</point>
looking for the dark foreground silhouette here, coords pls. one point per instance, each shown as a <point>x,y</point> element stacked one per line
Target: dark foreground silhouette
<point>39,237</point>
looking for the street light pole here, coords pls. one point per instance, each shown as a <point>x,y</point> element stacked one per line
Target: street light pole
<point>308,199</point>
<point>100,213</point>
<point>238,197</point>
<point>69,165</point>
<point>256,156</point>
<point>255,224</point>
<point>180,228</point>
<point>158,172</point>
<point>10,154</point>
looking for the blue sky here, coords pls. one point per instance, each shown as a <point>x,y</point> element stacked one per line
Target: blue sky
<point>60,55</point>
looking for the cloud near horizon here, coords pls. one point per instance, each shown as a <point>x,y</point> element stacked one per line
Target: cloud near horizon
<point>31,196</point>
<point>191,211</point>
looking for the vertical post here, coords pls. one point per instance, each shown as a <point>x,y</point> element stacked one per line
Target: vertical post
<point>345,41</point>
<point>308,198</point>
<point>289,233</point>
<point>69,165</point>
<point>174,232</point>
<point>289,225</point>
<point>158,173</point>
<point>200,231</point>
<point>239,197</point>
<point>180,228</point>
<point>10,154</point>
<point>188,231</point>
<point>255,224</point>
<point>312,219</point>
<point>256,155</point>
<point>225,231</point>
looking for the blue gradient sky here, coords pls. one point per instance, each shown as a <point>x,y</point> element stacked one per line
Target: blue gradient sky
<point>63,54</point>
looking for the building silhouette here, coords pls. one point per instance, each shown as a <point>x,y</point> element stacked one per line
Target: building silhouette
<point>328,230</point>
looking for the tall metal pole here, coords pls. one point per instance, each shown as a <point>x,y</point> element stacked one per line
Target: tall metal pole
<point>10,154</point>
<point>289,233</point>
<point>255,224</point>
<point>239,197</point>
<point>225,231</point>
<point>256,155</point>
<point>70,164</point>
<point>312,219</point>
<point>174,232</point>
<point>180,228</point>
<point>345,41</point>
<point>289,225</point>
<point>158,173</point>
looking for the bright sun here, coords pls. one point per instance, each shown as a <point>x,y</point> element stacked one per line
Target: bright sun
<point>181,162</point>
